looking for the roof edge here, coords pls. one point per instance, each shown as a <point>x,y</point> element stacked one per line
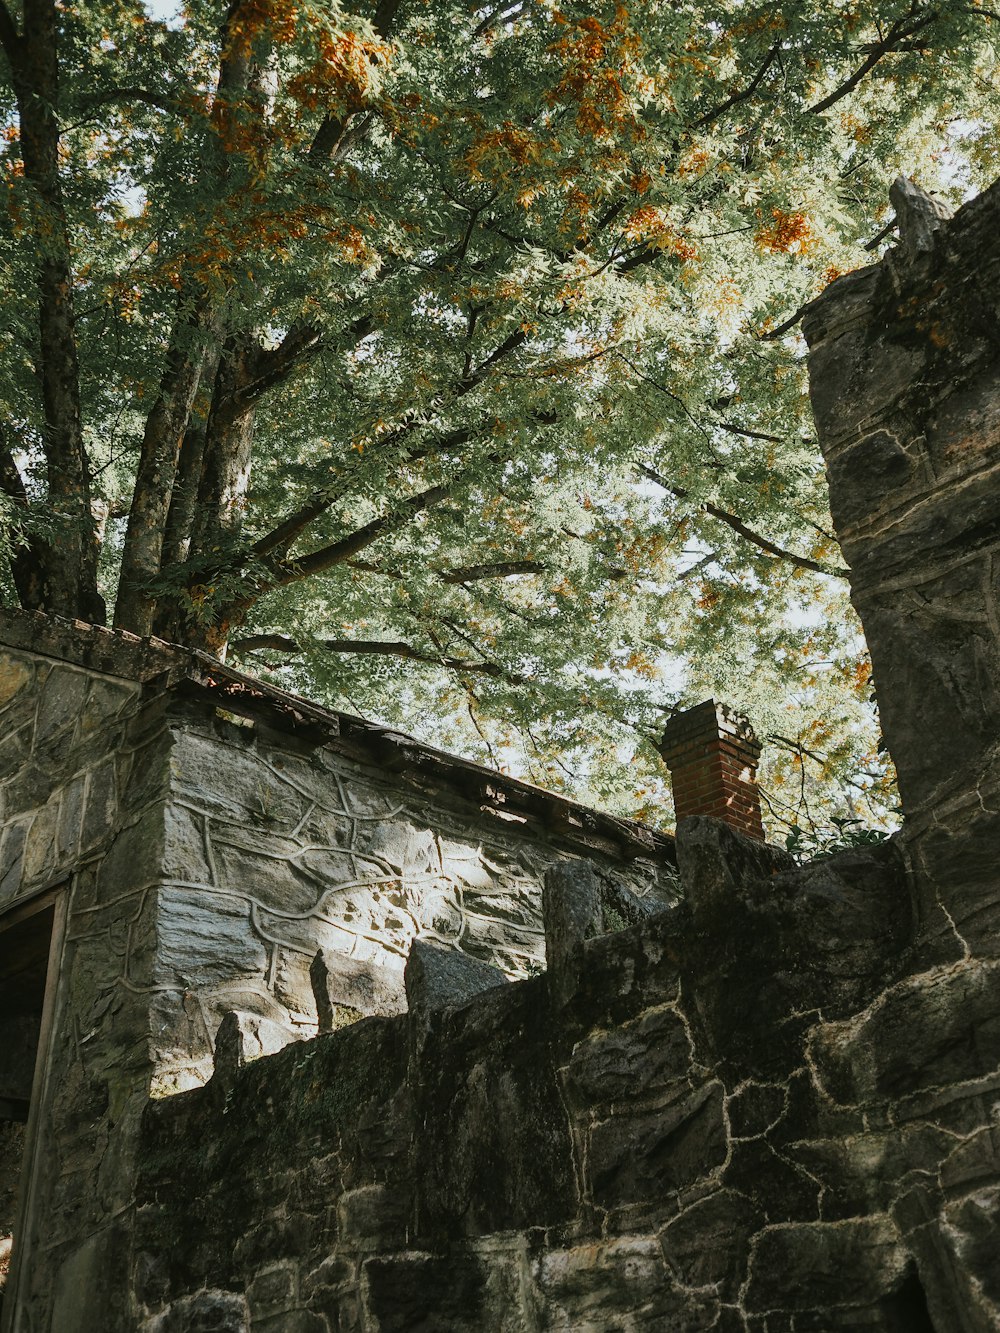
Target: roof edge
<point>152,661</point>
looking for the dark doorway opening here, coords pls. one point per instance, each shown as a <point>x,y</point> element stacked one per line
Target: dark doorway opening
<point>906,1309</point>
<point>25,947</point>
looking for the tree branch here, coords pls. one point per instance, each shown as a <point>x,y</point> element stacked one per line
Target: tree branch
<point>736,523</point>
<point>881,234</point>
<point>499,569</point>
<point>333,129</point>
<point>507,9</point>
<point>272,366</point>
<point>742,96</point>
<point>294,524</point>
<point>340,551</point>
<point>280,643</point>
<point>899,33</point>
<point>291,527</point>
<point>788,324</point>
<point>733,429</point>
<point>129,93</point>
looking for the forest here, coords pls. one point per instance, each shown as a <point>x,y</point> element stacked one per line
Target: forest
<point>441,360</point>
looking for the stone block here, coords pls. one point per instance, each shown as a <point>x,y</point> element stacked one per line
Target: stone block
<point>819,1265</point>
<point>208,1311</point>
<point>12,859</point>
<point>41,852</point>
<point>707,1243</point>
<point>230,781</point>
<point>241,1038</point>
<point>16,677</point>
<point>365,988</point>
<point>134,857</point>
<point>101,806</point>
<point>15,747</point>
<point>495,1150</point>
<point>88,1291</point>
<point>630,1062</point>
<point>106,701</point>
<point>60,703</point>
<point>437,977</point>
<point>290,984</point>
<point>658,1151</point>
<point>144,775</point>
<point>572,912</point>
<point>625,973</point>
<point>718,865</point>
<point>269,880</point>
<point>374,1217</point>
<point>184,846</point>
<point>70,820</point>
<point>936,1028</point>
<point>273,1289</point>
<point>205,938</point>
<point>424,1293</point>
<point>616,1284</point>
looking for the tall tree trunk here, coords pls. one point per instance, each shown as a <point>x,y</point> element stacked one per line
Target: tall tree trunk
<point>190,350</point>
<point>68,583</point>
<point>183,502</point>
<point>203,484</point>
<point>216,517</point>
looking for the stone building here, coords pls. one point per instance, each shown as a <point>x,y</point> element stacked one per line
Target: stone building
<point>180,843</point>
<point>551,1090</point>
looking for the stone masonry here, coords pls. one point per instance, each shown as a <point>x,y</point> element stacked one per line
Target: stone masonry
<point>212,840</point>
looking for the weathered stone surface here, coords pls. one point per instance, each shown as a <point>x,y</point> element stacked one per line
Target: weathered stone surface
<point>636,1059</point>
<point>242,1037</point>
<point>621,1283</point>
<point>455,1294</point>
<point>936,1028</point>
<point>572,912</point>
<point>15,676</point>
<point>496,1150</point>
<point>437,977</point>
<point>206,1312</point>
<point>824,1265</point>
<point>659,1151</point>
<point>61,702</point>
<point>205,937</point>
<point>708,1243</point>
<point>363,989</point>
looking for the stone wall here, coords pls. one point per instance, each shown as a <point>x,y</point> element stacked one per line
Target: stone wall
<point>80,783</point>
<point>905,371</point>
<point>655,1134</point>
<point>277,847</point>
<point>209,838</point>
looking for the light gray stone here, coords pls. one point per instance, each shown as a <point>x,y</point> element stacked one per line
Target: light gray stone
<point>204,938</point>
<point>340,983</point>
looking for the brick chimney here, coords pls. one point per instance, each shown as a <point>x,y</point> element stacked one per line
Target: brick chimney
<point>712,753</point>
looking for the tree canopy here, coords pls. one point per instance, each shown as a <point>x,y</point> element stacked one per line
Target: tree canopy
<point>440,358</point>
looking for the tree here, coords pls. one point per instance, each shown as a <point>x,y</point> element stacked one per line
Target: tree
<point>441,357</point>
